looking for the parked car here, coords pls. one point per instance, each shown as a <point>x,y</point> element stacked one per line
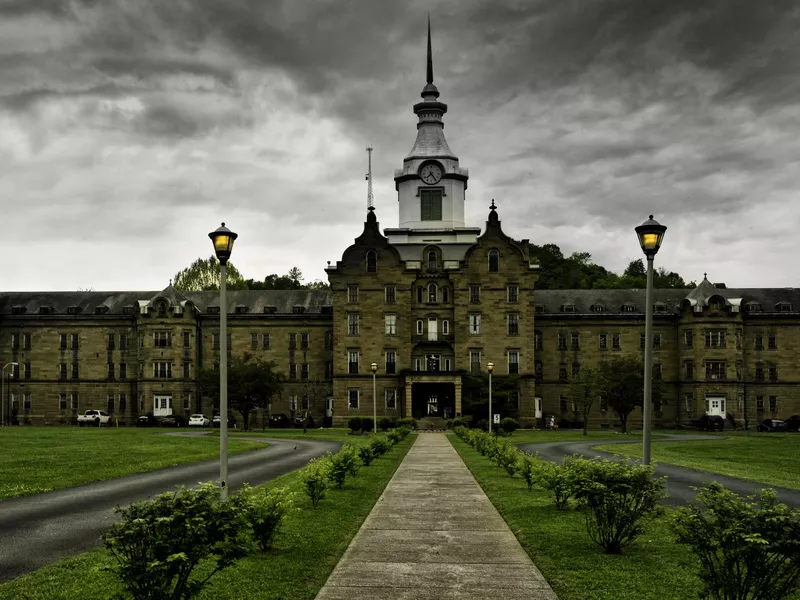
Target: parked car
<point>217,420</point>
<point>772,425</point>
<point>199,421</point>
<point>146,421</point>
<point>170,422</point>
<point>793,423</point>
<point>710,423</point>
<point>279,420</point>
<point>94,418</point>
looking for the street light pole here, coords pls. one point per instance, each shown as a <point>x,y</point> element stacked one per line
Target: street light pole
<point>223,239</point>
<point>3,391</point>
<point>651,234</point>
<point>374,367</point>
<point>490,367</point>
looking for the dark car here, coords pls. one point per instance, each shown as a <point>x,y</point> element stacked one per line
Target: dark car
<point>793,423</point>
<point>711,423</point>
<point>216,420</point>
<point>146,421</point>
<point>280,420</point>
<point>170,422</point>
<point>772,425</point>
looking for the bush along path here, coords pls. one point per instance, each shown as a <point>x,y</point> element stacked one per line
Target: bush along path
<point>274,541</point>
<point>740,549</point>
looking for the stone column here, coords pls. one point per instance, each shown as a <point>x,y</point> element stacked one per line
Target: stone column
<point>457,381</point>
<point>407,406</point>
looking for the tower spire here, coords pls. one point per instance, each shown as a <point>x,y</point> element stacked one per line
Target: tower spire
<point>370,198</point>
<point>430,53</point>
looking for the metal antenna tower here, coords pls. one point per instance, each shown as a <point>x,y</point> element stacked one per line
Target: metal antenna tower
<point>370,197</point>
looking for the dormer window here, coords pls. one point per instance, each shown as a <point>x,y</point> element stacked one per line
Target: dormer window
<point>45,310</point>
<point>241,309</point>
<point>539,308</point>
<point>372,261</point>
<point>73,310</point>
<point>101,310</point>
<point>715,305</point>
<point>783,307</point>
<point>753,307</point>
<point>628,307</point>
<point>494,261</point>
<point>213,310</point>
<point>598,308</point>
<point>298,309</point>
<point>568,308</point>
<point>161,308</point>
<point>269,309</point>
<point>659,307</point>
<point>18,310</point>
<point>128,310</point>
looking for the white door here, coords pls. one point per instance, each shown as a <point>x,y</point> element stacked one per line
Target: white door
<point>433,332</point>
<point>538,408</point>
<point>162,406</point>
<point>715,406</point>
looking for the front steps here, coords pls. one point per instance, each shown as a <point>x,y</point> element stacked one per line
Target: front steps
<point>431,424</point>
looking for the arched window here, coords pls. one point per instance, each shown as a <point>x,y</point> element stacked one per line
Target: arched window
<point>432,292</point>
<point>494,261</point>
<point>372,262</point>
<point>432,260</point>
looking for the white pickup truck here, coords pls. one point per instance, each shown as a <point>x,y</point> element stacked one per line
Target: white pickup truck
<point>94,417</point>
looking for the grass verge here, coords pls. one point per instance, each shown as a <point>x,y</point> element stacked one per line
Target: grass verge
<point>40,459</point>
<point>330,435</point>
<point>653,568</point>
<point>308,547</point>
<point>768,458</point>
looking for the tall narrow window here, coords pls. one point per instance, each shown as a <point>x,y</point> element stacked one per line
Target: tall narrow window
<point>475,361</point>
<point>372,262</point>
<point>474,294</point>
<point>352,360</point>
<point>432,293</point>
<point>391,294</point>
<point>513,362</point>
<point>513,324</point>
<point>391,362</point>
<point>475,323</point>
<point>494,261</point>
<point>390,322</point>
<point>352,294</point>
<point>352,323</point>
<point>537,340</point>
<point>431,205</point>
<point>432,260</point>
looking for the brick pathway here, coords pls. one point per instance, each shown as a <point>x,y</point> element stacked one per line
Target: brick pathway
<point>433,534</point>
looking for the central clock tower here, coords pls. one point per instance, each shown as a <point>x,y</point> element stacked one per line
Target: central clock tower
<point>430,186</point>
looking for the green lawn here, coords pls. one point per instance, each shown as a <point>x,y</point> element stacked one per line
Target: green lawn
<point>306,550</point>
<point>40,459</point>
<point>532,436</point>
<point>329,435</point>
<point>769,458</point>
<point>653,568</point>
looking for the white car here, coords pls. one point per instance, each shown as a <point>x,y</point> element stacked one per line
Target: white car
<point>199,421</point>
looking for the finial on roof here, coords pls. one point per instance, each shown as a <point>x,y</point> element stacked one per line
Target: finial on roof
<point>492,206</point>
<point>705,275</point>
<point>170,281</point>
<point>430,54</point>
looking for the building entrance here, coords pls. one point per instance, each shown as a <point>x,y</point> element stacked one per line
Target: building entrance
<point>433,400</point>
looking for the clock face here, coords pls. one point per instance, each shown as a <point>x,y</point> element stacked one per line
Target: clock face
<point>430,173</point>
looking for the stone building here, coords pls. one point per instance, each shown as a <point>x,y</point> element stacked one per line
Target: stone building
<point>427,301</point>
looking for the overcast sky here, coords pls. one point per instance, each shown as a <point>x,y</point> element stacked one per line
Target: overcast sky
<point>129,129</point>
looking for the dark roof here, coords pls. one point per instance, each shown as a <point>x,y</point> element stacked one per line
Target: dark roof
<point>255,300</point>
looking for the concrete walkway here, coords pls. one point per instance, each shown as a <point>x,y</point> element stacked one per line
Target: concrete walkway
<point>434,534</point>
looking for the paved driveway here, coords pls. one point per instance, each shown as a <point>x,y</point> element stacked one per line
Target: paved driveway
<point>39,530</point>
<point>679,479</point>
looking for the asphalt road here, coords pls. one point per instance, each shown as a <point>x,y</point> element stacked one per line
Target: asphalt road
<point>680,480</point>
<point>44,528</point>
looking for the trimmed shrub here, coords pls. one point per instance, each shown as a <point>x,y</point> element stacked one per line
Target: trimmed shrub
<point>265,510</point>
<point>457,422</point>
<point>483,425</point>
<point>158,543</point>
<point>749,548</point>
<point>354,423</point>
<point>314,477</point>
<point>385,424</point>
<point>557,479</point>
<point>506,457</point>
<point>509,425</point>
<point>407,422</point>
<point>394,436</point>
<point>620,497</point>
<point>367,424</point>
<point>528,466</point>
<point>343,463</point>
<point>380,445</point>
<point>365,454</point>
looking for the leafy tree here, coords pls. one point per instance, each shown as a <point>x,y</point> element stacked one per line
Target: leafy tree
<point>584,390</point>
<point>635,269</point>
<point>203,275</point>
<point>315,391</point>
<point>621,383</point>
<point>475,395</point>
<point>252,382</point>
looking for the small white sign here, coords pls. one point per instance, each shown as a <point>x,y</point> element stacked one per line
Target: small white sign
<point>496,419</point>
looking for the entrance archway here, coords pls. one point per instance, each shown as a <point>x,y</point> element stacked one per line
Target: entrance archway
<point>433,400</point>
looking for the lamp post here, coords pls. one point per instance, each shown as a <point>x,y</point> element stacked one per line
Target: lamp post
<point>374,367</point>
<point>651,234</point>
<point>490,367</point>
<point>223,239</point>
<point>3,390</point>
